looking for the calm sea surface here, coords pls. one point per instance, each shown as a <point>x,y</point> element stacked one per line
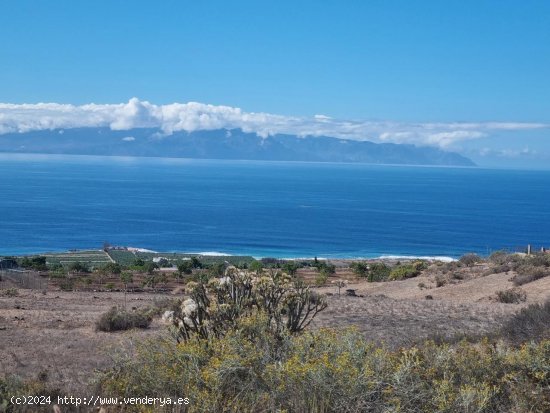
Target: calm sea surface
<point>50,203</point>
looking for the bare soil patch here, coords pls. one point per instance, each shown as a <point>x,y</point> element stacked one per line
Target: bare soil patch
<point>55,333</point>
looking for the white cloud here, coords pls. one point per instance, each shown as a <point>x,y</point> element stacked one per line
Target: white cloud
<point>322,118</point>
<point>128,139</point>
<point>509,153</point>
<point>194,116</point>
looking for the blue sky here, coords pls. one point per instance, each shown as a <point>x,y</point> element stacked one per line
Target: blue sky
<point>399,61</point>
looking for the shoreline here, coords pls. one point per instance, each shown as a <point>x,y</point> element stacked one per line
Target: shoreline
<point>282,257</point>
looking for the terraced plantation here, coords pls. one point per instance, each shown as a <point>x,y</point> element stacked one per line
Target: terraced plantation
<point>127,257</point>
<point>93,258</point>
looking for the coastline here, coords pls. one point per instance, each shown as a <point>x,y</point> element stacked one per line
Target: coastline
<point>282,257</point>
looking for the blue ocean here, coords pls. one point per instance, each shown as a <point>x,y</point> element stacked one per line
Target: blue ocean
<point>267,209</point>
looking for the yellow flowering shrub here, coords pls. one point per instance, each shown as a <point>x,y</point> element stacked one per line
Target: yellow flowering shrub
<point>251,369</point>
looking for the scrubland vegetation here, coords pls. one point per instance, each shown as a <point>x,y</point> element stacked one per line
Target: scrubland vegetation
<point>246,340</point>
<point>251,369</point>
<point>94,269</point>
<point>117,319</point>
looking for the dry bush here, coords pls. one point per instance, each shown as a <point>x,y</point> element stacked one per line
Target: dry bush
<point>333,371</point>
<point>540,260</point>
<point>450,266</point>
<point>117,319</point>
<point>10,292</point>
<point>528,273</point>
<point>67,284</point>
<point>531,323</point>
<point>163,304</point>
<point>457,276</point>
<point>503,262</point>
<point>500,268</point>
<point>516,260</point>
<point>440,280</point>
<point>499,257</point>
<point>470,259</point>
<point>511,296</point>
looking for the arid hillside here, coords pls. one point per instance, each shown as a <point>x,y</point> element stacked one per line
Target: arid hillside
<point>51,333</point>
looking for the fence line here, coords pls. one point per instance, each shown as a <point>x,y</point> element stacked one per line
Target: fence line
<point>22,279</point>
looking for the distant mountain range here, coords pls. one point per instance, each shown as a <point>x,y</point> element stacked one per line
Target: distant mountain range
<point>223,144</point>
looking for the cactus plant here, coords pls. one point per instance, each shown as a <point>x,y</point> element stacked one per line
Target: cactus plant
<point>213,308</point>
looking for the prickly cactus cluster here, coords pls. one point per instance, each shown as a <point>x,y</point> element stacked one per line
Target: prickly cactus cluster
<point>214,307</point>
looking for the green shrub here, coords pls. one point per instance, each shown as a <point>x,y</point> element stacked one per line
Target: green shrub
<point>406,271</point>
<point>78,267</point>
<point>256,266</point>
<point>57,270</point>
<point>321,279</point>
<point>511,296</point>
<point>111,268</point>
<point>184,268</point>
<point>196,263</point>
<point>164,263</point>
<point>138,262</point>
<point>149,267</point>
<point>56,267</point>
<point>117,319</point>
<point>37,263</point>
<point>360,269</point>
<point>326,268</point>
<point>378,271</point>
<point>291,267</point>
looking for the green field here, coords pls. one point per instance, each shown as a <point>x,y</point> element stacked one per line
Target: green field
<point>98,258</point>
<point>92,258</point>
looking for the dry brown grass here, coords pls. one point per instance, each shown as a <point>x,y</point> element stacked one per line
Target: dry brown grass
<point>56,333</point>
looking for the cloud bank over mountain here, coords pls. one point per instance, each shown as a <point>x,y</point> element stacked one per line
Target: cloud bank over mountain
<point>194,116</point>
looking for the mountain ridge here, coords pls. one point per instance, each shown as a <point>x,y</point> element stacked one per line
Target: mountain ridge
<point>232,144</point>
